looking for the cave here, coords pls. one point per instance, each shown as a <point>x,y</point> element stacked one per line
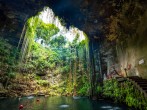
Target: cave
<point>72,54</point>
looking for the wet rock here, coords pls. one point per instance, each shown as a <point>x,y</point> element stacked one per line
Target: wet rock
<point>1,86</point>
<point>3,93</point>
<point>41,94</point>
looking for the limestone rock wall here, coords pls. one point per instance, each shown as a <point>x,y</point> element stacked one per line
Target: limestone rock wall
<point>134,56</point>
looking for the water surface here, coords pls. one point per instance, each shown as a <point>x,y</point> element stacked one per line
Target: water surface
<point>58,103</point>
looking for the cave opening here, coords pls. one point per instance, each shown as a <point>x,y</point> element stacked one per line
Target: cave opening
<point>92,48</point>
<point>57,56</point>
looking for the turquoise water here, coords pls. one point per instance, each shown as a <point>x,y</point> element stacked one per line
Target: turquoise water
<point>58,103</point>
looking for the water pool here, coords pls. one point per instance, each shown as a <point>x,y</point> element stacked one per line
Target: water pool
<point>58,103</point>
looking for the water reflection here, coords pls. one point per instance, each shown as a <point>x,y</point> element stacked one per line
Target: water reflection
<point>106,107</point>
<point>64,106</point>
<point>57,103</point>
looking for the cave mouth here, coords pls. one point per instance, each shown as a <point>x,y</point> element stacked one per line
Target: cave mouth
<point>49,60</point>
<point>56,57</point>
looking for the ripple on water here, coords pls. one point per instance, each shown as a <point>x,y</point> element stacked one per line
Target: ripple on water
<point>106,107</point>
<point>64,106</point>
<point>30,97</point>
<point>110,108</point>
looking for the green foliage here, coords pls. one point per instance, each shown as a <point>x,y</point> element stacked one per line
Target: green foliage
<point>69,88</point>
<point>54,59</point>
<point>43,82</point>
<point>11,75</point>
<point>55,56</point>
<point>30,33</point>
<point>65,69</point>
<point>84,91</point>
<point>57,42</point>
<point>37,29</point>
<point>5,47</point>
<point>125,92</point>
<point>85,87</point>
<point>45,31</point>
<point>8,56</point>
<point>99,89</point>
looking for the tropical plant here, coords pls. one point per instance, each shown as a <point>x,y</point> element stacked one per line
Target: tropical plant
<point>125,92</point>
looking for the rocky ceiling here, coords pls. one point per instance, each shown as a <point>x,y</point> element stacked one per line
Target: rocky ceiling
<point>91,16</point>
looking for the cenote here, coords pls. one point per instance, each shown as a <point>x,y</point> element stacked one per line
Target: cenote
<point>73,54</point>
<point>58,103</point>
